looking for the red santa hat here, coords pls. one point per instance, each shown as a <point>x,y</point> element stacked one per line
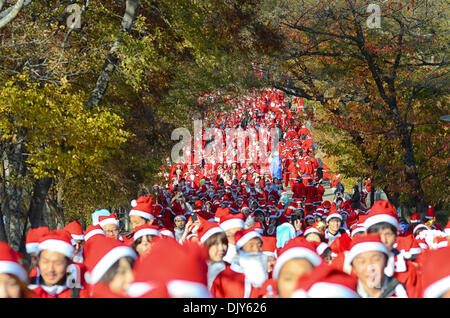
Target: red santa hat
<point>257,226</point>
<point>296,248</point>
<point>415,218</point>
<point>75,230</point>
<point>241,237</point>
<point>108,219</point>
<point>182,269</point>
<point>221,213</point>
<point>381,211</point>
<point>420,226</point>
<point>333,214</point>
<point>326,281</point>
<point>357,229</point>
<point>435,279</point>
<point>366,243</point>
<point>101,254</point>
<point>145,229</point>
<point>312,229</point>
<point>207,229</point>
<point>269,245</point>
<point>9,263</point>
<point>430,212</point>
<point>166,233</point>
<point>321,247</point>
<point>447,229</point>
<point>93,230</point>
<point>232,221</point>
<point>33,237</point>
<point>57,241</point>
<point>143,207</point>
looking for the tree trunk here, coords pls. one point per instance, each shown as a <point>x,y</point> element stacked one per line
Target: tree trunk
<point>112,58</point>
<point>40,191</point>
<point>13,169</point>
<point>35,211</point>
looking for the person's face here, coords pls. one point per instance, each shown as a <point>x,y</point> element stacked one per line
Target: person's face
<point>334,225</point>
<point>145,245</point>
<point>309,221</point>
<point>52,266</point>
<point>217,251</point>
<point>388,238</point>
<point>253,245</point>
<point>123,278</point>
<point>9,287</point>
<point>136,221</point>
<point>259,217</point>
<point>289,274</point>
<point>111,230</point>
<point>344,216</point>
<point>180,223</point>
<point>78,246</point>
<point>230,234</point>
<point>313,237</point>
<point>271,260</point>
<point>369,267</point>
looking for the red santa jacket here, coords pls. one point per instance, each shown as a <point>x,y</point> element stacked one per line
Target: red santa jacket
<point>231,282</point>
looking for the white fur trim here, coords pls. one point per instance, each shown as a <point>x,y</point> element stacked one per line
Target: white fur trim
<point>107,261</point>
<point>57,246</point>
<point>329,290</point>
<point>232,223</point>
<point>78,237</point>
<point>210,233</point>
<point>7,267</point>
<point>108,221</point>
<point>311,230</point>
<point>321,248</point>
<point>247,237</point>
<point>293,253</point>
<point>143,232</point>
<point>183,288</point>
<point>142,214</point>
<point>92,233</point>
<point>366,247</point>
<point>381,218</point>
<point>32,248</point>
<point>333,215</point>
<point>438,288</point>
<point>136,290</point>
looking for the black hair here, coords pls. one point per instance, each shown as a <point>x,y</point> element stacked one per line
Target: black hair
<point>112,271</point>
<point>376,228</point>
<point>220,237</point>
<point>139,241</point>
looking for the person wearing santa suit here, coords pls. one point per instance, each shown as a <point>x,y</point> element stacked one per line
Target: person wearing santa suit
<point>32,240</point>
<point>369,257</point>
<point>326,281</point>
<point>110,267</point>
<point>55,255</point>
<point>247,272</point>
<point>144,237</point>
<point>383,220</point>
<point>334,226</point>
<point>435,279</point>
<point>177,271</point>
<point>77,269</point>
<point>13,276</point>
<point>110,224</point>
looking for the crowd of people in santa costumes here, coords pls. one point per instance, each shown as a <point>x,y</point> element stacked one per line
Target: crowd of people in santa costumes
<point>230,229</point>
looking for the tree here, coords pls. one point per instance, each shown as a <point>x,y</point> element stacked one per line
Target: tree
<point>380,90</point>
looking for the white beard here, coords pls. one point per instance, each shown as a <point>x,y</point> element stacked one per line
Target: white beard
<point>254,266</point>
